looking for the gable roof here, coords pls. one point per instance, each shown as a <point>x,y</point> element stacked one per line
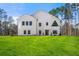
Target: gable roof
<point>44,14</point>
<point>38,15</point>
<point>25,16</point>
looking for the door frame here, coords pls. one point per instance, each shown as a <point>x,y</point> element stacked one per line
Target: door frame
<point>46,32</point>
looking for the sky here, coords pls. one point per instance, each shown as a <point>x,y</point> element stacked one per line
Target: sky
<point>18,9</point>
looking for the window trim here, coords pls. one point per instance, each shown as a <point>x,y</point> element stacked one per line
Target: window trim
<point>47,24</point>
<point>40,32</point>
<point>55,32</point>
<point>29,31</point>
<point>40,24</point>
<point>26,23</point>
<point>23,23</point>
<point>24,32</point>
<point>55,23</point>
<point>30,23</point>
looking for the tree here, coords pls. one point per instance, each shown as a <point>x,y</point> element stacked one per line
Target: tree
<point>3,16</point>
<point>54,11</point>
<point>75,10</point>
<point>68,17</point>
<point>10,20</point>
<point>66,11</point>
<point>7,27</point>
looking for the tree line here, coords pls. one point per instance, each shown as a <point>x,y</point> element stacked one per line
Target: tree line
<point>7,26</point>
<point>68,15</point>
<point>69,18</point>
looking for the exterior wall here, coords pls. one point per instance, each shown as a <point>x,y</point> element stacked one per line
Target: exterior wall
<point>56,28</point>
<point>40,17</point>
<point>21,28</point>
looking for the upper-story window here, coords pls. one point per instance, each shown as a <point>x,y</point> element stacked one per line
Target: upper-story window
<point>54,23</point>
<point>30,22</point>
<point>39,24</point>
<point>27,23</point>
<point>46,23</point>
<point>23,23</point>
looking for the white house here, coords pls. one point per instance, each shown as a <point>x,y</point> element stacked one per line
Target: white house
<point>41,23</point>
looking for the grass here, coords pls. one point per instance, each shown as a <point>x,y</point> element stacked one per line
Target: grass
<point>39,46</point>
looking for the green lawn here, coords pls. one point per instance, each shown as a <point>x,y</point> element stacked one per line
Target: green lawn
<point>39,45</point>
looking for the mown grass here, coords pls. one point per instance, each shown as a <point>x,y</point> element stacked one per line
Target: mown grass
<point>39,46</point>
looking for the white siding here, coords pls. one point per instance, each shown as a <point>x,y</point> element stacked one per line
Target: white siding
<point>45,17</point>
<point>39,17</point>
<point>21,28</point>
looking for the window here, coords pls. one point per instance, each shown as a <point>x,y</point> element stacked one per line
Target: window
<point>24,31</point>
<point>54,31</point>
<point>23,23</point>
<point>39,24</point>
<point>27,23</point>
<point>39,32</point>
<point>28,31</point>
<point>46,23</point>
<point>30,22</point>
<point>54,23</point>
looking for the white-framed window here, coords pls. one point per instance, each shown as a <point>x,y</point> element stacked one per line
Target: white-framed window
<point>40,24</point>
<point>30,23</point>
<point>24,31</point>
<point>29,32</point>
<point>26,23</point>
<point>46,23</point>
<point>54,31</point>
<point>39,32</point>
<point>23,23</point>
<point>55,23</point>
